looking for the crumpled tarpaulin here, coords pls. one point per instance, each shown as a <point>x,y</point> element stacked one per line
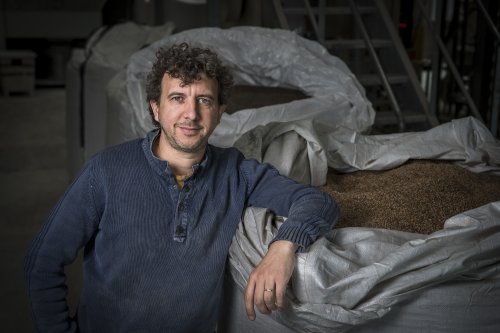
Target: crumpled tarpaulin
<point>355,275</point>
<point>314,145</point>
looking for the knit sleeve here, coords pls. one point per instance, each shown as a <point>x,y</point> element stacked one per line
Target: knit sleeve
<point>69,226</point>
<point>310,212</point>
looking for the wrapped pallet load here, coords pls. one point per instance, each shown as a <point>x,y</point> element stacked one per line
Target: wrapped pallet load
<point>89,71</point>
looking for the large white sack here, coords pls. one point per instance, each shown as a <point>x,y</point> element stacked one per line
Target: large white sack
<point>355,277</point>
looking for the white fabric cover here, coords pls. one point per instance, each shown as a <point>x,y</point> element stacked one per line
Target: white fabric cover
<point>466,141</point>
<point>448,281</point>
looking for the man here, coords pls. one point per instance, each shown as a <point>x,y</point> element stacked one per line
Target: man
<point>156,217</point>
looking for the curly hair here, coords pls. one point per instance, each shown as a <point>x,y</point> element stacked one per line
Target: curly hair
<point>187,64</point>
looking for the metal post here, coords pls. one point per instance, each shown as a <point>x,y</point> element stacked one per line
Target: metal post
<point>496,84</point>
<point>495,108</point>
<point>436,59</point>
<point>450,63</point>
<point>3,24</point>
<point>321,21</point>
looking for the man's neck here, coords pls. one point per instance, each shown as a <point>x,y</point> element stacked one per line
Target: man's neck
<point>181,163</point>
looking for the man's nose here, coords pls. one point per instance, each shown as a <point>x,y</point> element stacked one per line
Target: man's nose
<point>192,109</point>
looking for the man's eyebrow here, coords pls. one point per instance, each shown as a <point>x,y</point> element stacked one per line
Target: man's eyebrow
<point>206,96</point>
<point>175,93</point>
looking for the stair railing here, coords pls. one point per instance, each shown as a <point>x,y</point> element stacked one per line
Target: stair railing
<point>446,55</point>
<point>495,108</point>
<point>378,65</point>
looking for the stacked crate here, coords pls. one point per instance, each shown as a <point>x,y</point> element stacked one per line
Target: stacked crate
<point>17,72</point>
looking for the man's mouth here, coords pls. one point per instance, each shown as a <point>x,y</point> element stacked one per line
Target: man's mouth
<point>189,129</point>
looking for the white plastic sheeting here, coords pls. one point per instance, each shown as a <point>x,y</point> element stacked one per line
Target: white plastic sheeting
<point>466,141</point>
<point>448,281</point>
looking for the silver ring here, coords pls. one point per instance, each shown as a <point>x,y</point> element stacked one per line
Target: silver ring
<point>269,290</point>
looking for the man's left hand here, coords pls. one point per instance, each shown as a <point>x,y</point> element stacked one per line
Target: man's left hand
<point>266,285</point>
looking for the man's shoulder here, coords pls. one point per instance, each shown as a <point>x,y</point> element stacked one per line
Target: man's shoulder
<point>227,152</point>
<point>233,159</point>
<point>125,151</point>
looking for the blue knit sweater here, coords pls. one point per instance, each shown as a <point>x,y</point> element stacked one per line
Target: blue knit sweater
<point>154,254</point>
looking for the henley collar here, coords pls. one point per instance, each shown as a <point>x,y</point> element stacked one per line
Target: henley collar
<point>161,167</point>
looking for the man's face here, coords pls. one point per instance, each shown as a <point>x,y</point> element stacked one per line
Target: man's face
<point>187,114</point>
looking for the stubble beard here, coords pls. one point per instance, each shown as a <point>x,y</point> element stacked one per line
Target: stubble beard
<point>196,147</point>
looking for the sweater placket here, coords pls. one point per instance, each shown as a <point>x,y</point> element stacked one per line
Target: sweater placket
<point>181,196</point>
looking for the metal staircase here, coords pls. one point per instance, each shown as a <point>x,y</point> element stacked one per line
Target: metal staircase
<point>363,34</point>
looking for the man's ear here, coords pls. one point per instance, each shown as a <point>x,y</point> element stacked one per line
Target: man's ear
<point>222,109</point>
<point>155,108</point>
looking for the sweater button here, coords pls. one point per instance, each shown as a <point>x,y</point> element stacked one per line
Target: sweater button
<point>186,188</point>
<point>179,230</point>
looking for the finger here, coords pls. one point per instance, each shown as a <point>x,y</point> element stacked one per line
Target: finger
<point>249,300</point>
<point>259,298</point>
<point>269,298</point>
<point>280,296</point>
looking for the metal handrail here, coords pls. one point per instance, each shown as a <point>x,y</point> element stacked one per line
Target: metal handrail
<point>407,65</point>
<point>378,65</point>
<point>278,9</point>
<point>312,19</point>
<point>451,64</point>
<point>488,20</point>
<point>496,92</point>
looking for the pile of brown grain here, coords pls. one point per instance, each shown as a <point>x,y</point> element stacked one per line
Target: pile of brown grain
<point>415,197</point>
<point>253,97</point>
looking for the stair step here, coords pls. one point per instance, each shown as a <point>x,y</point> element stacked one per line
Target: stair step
<point>374,79</point>
<point>354,52</point>
<point>338,10</point>
<point>355,43</point>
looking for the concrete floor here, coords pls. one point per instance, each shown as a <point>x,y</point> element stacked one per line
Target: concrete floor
<point>33,174</point>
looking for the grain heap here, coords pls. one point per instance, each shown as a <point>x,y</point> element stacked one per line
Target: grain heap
<point>253,97</point>
<point>417,196</point>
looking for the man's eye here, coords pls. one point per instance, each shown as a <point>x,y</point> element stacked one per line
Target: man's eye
<point>177,98</point>
<point>204,101</point>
